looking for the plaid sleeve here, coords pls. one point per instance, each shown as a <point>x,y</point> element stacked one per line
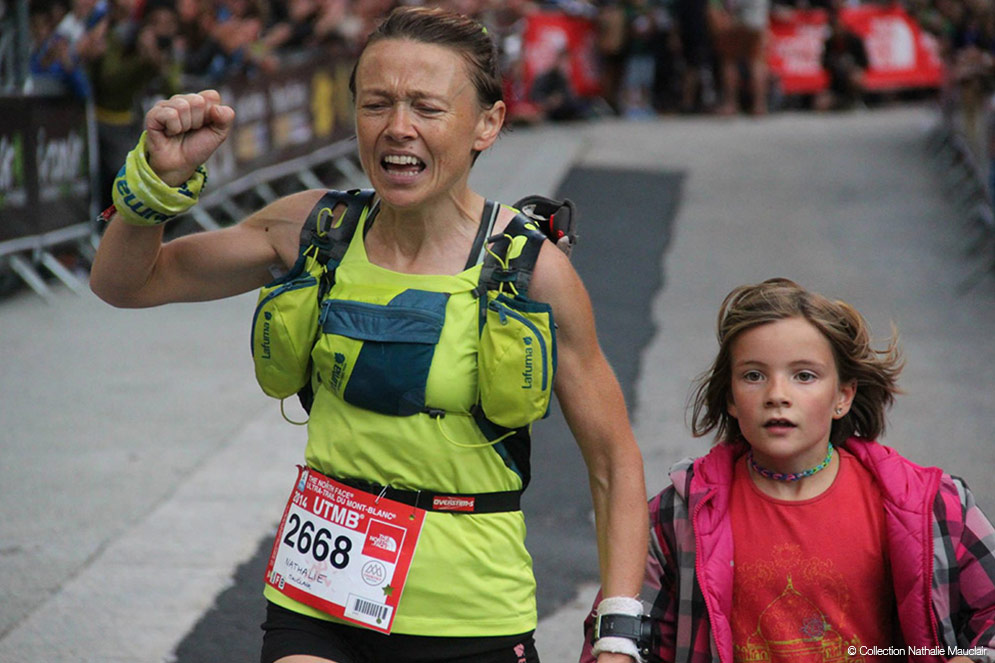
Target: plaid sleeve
<point>662,577</point>
<point>658,589</point>
<point>964,571</point>
<point>679,617</point>
<point>586,655</point>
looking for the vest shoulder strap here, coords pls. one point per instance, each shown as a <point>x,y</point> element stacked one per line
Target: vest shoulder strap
<point>329,235</point>
<point>331,238</point>
<point>540,218</point>
<point>500,267</point>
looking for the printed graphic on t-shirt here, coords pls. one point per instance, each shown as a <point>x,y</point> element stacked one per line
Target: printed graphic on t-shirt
<point>792,626</point>
<point>811,579</point>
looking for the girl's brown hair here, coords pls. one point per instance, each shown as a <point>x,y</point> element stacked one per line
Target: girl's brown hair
<point>875,372</point>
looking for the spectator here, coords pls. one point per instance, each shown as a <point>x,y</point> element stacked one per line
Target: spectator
<point>553,93</point>
<point>928,15</point>
<point>613,44</point>
<point>368,15</point>
<point>296,32</point>
<point>975,30</point>
<point>637,83</point>
<point>237,30</point>
<point>338,25</point>
<point>63,43</point>
<point>845,60</point>
<point>506,22</point>
<point>521,108</point>
<point>697,80</point>
<point>739,32</point>
<point>54,67</point>
<point>137,51</point>
<point>199,54</point>
<point>668,61</point>
<point>81,27</point>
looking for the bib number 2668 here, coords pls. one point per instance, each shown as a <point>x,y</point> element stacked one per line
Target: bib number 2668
<point>343,551</point>
<point>306,540</point>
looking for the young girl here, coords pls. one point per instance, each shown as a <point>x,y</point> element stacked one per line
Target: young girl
<point>799,537</point>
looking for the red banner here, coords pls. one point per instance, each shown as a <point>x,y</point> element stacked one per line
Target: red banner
<point>901,54</point>
<point>547,34</point>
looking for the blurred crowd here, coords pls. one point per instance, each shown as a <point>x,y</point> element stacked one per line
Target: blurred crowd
<point>655,55</point>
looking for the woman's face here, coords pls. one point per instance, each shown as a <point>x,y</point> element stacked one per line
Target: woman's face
<point>418,121</point>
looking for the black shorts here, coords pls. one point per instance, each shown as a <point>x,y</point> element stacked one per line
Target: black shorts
<point>287,633</point>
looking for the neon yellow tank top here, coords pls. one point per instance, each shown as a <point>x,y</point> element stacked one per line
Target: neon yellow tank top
<point>471,574</point>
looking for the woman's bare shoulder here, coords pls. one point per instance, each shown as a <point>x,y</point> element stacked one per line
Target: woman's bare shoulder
<point>281,221</point>
<point>291,210</point>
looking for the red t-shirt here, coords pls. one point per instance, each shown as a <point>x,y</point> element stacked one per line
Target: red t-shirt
<point>812,580</point>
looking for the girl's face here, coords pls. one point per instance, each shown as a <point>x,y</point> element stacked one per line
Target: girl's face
<point>786,393</point>
<point>418,120</point>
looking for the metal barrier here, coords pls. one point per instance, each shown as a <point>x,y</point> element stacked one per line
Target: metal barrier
<point>47,170</point>
<point>23,255</point>
<point>960,145</point>
<point>337,163</point>
<point>339,157</point>
<point>290,130</point>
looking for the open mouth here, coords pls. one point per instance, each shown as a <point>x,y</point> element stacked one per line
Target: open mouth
<point>779,423</point>
<point>404,165</point>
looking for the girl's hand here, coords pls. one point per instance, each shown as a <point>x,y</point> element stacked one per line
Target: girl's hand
<point>183,131</point>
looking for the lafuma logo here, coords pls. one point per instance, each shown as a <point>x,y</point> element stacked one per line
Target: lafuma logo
<point>267,316</point>
<point>338,371</point>
<point>527,373</point>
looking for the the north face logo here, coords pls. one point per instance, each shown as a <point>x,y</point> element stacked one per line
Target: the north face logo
<point>383,541</point>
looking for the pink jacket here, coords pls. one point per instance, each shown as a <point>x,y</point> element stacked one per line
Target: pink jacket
<point>942,552</point>
<point>909,491</point>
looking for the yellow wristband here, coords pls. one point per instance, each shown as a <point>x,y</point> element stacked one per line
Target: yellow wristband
<point>143,199</point>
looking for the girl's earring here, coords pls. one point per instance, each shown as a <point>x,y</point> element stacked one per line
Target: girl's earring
<point>839,411</point>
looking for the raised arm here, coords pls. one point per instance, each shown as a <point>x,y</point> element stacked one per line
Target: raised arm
<point>134,268</point>
<point>592,402</point>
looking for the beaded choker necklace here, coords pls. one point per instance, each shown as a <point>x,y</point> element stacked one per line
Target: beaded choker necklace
<point>793,476</point>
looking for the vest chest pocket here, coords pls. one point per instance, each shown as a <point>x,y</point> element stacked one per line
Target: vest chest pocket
<point>377,356</point>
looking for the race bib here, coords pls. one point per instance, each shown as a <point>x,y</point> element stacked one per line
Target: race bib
<point>343,551</point>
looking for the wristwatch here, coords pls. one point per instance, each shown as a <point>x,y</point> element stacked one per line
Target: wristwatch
<point>630,627</point>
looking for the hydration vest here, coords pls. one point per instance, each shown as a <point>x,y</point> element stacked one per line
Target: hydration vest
<point>517,348</point>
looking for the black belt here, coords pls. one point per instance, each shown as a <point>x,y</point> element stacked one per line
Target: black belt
<point>498,502</point>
